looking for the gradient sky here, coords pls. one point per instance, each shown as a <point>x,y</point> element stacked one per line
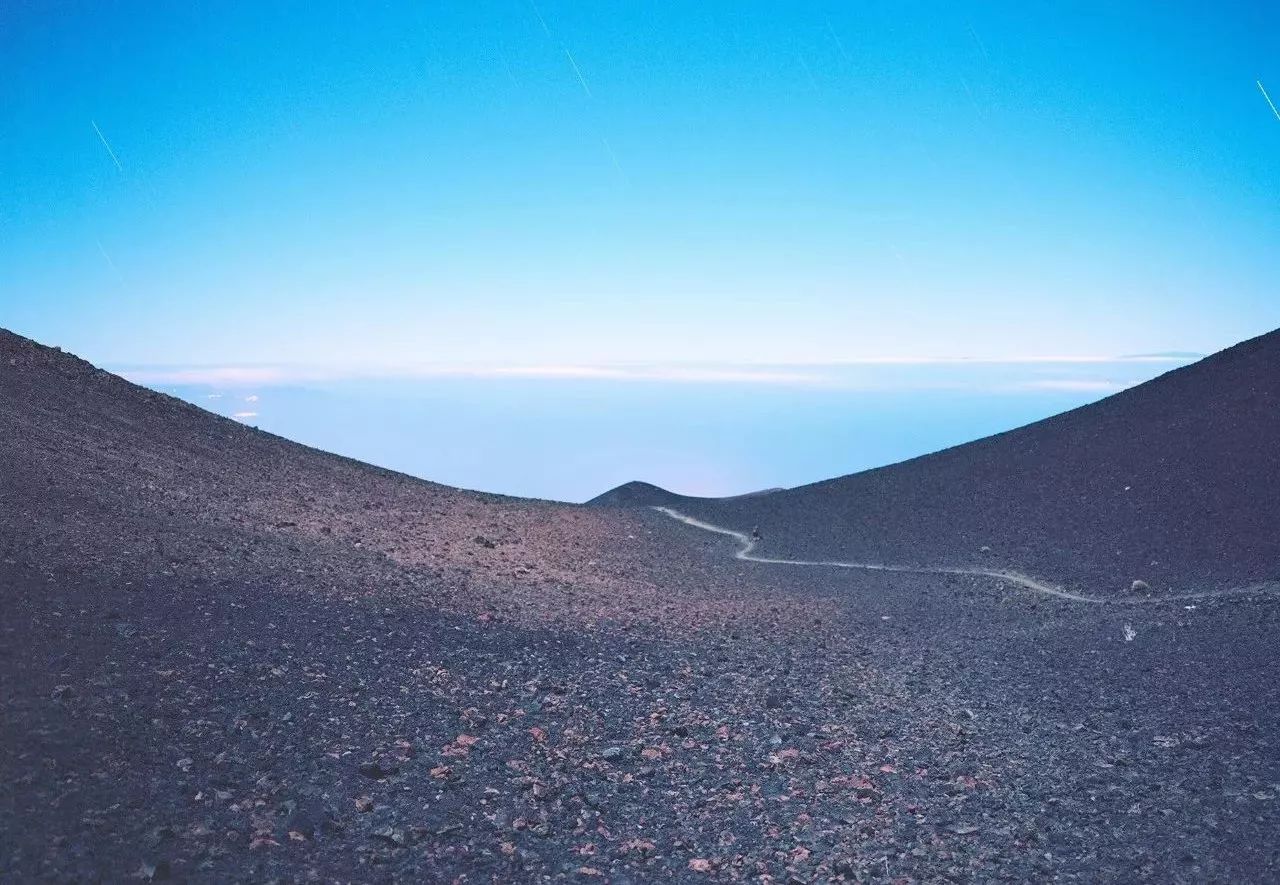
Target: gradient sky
<point>494,180</point>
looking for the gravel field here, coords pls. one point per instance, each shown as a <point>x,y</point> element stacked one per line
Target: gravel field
<point>226,657</point>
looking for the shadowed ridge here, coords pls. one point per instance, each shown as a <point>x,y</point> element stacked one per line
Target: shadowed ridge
<point>18,352</point>
<point>52,397</point>
<point>643,494</point>
<point>1175,482</point>
<point>634,494</point>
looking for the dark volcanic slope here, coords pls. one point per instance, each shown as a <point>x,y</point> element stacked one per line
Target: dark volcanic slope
<point>635,494</point>
<point>82,448</point>
<point>644,494</point>
<point>1175,482</point>
<point>225,657</point>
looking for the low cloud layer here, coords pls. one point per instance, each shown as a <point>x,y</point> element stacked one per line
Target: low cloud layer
<point>1077,373</point>
<point>1082,385</point>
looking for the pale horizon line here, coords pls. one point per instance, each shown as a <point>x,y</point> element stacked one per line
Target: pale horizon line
<point>795,374</point>
<point>618,366</point>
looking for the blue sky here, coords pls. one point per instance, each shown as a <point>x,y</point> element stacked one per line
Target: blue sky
<point>568,183</point>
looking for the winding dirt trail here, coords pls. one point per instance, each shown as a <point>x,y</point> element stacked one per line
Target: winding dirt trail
<point>748,545</point>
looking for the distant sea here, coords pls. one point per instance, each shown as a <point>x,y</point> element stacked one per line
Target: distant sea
<point>571,433</point>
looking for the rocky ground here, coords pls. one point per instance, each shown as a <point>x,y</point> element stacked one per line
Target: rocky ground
<point>226,658</point>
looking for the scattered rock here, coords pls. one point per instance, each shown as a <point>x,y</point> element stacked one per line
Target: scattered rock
<point>377,771</point>
<point>153,872</point>
<point>392,835</point>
